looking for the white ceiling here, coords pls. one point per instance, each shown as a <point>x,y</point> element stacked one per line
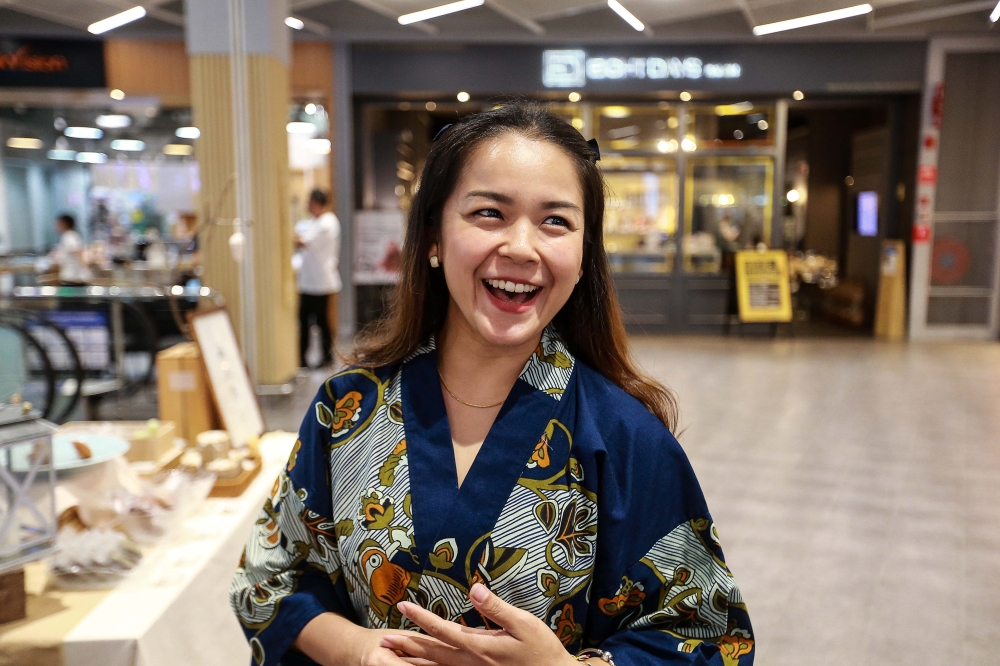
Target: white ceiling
<point>530,20</point>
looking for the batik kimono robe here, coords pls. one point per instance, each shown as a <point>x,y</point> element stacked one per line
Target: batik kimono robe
<point>580,508</point>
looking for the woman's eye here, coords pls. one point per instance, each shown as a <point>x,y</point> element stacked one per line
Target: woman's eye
<point>488,212</point>
<point>557,221</point>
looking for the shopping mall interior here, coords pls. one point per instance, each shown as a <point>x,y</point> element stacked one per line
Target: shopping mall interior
<point>211,202</point>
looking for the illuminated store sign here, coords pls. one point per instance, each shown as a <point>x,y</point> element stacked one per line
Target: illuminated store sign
<point>51,63</point>
<point>572,69</point>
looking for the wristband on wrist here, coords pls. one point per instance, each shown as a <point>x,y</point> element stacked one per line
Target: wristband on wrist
<point>590,653</point>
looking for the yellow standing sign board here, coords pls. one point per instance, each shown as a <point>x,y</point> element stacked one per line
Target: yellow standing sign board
<point>762,286</point>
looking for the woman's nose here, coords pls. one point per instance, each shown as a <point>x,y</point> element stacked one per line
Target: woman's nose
<point>518,243</point>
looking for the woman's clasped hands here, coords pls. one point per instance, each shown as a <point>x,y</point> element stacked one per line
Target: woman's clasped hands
<point>523,639</point>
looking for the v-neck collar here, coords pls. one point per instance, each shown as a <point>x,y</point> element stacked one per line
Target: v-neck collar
<point>442,510</point>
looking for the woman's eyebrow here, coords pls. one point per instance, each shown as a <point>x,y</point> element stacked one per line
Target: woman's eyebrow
<point>493,196</point>
<point>554,205</point>
<point>509,201</point>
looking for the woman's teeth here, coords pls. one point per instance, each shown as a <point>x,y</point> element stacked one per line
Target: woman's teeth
<point>512,287</point>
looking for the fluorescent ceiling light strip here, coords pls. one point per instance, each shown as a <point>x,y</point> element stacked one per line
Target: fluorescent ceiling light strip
<point>83,133</point>
<point>434,12</point>
<point>116,21</point>
<point>813,19</point>
<point>294,23</point>
<point>628,16</point>
<point>995,14</point>
<point>25,143</point>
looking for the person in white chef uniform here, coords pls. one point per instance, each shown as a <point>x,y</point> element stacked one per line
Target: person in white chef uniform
<point>317,260</point>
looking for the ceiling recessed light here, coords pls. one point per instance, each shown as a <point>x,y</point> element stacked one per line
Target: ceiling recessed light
<point>178,149</point>
<point>116,21</point>
<point>300,128</point>
<point>128,145</point>
<point>114,121</point>
<point>25,143</point>
<point>309,108</point>
<point>462,96</point>
<point>188,132</point>
<point>294,23</point>
<point>798,95</point>
<point>117,94</point>
<point>430,106</point>
<point>83,132</point>
<point>574,97</point>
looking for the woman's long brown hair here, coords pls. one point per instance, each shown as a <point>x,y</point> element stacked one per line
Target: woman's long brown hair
<point>590,323</point>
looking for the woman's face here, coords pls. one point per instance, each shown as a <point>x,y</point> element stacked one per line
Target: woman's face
<point>512,238</point>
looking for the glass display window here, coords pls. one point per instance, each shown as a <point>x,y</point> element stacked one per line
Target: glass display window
<point>651,129</point>
<point>727,208</point>
<point>740,125</point>
<point>640,219</point>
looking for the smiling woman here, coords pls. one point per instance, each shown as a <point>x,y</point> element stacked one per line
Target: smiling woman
<point>492,481</point>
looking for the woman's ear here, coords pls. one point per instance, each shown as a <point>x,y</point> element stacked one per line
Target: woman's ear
<point>433,251</point>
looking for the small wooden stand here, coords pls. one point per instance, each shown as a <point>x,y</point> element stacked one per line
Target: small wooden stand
<point>235,486</point>
<point>13,598</point>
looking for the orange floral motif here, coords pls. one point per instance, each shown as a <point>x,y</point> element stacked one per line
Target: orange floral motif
<point>540,456</point>
<point>735,645</point>
<point>346,412</point>
<point>565,626</point>
<point>629,595</point>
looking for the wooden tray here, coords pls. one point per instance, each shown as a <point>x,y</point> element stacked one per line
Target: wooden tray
<point>235,486</point>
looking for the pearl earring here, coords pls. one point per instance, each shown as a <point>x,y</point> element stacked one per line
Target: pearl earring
<point>434,261</point>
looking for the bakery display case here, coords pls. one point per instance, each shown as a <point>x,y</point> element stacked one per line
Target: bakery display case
<point>728,207</point>
<point>640,219</point>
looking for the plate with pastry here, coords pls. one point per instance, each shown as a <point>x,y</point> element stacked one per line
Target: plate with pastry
<point>71,451</point>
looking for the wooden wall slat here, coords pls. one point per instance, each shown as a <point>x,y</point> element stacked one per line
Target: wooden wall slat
<point>149,69</point>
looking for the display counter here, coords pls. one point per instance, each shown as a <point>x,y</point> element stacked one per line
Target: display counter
<point>179,589</point>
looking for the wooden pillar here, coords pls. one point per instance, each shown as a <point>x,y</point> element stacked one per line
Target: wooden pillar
<point>274,324</point>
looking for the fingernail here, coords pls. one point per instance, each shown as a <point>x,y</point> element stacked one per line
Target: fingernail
<point>402,606</point>
<point>387,641</point>
<point>479,593</point>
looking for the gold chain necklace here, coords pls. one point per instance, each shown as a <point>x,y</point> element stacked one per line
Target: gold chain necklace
<point>467,404</point>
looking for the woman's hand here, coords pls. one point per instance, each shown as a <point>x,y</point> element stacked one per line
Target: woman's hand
<point>524,639</point>
<point>333,640</point>
<point>369,650</point>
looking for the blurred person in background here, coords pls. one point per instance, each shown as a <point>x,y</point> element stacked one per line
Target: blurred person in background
<point>493,470</point>
<point>68,254</point>
<point>317,241</point>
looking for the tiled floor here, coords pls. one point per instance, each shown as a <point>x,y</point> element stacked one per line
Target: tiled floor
<point>856,486</point>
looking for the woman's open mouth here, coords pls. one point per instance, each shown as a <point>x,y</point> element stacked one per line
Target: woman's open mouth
<point>514,295</point>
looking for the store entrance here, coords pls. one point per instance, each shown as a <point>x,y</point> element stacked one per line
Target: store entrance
<point>848,186</point>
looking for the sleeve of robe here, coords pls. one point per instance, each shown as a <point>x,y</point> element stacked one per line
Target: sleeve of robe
<point>662,591</point>
<point>290,570</point>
